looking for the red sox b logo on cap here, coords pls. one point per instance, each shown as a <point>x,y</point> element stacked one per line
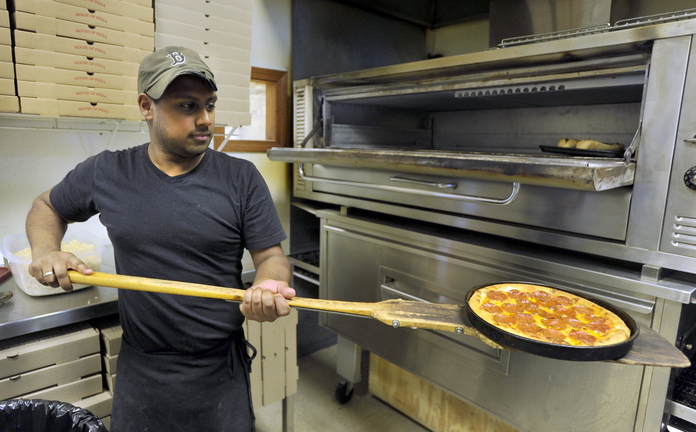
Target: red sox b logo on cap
<point>177,58</point>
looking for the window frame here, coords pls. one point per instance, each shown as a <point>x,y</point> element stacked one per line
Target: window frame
<point>276,115</point>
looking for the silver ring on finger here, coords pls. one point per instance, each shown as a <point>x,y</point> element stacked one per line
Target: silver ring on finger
<point>47,274</point>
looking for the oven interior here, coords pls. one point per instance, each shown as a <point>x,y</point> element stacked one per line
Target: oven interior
<point>511,112</point>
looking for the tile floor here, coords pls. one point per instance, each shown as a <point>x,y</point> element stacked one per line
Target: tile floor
<point>316,410</point>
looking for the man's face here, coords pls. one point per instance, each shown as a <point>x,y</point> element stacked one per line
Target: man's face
<point>184,118</point>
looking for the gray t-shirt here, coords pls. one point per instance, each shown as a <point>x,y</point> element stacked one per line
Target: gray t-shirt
<point>192,227</point>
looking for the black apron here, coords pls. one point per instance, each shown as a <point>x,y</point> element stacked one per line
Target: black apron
<point>181,392</point>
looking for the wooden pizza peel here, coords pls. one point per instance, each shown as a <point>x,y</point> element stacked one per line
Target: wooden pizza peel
<point>648,349</point>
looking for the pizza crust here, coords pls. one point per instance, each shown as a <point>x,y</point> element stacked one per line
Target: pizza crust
<point>610,330</point>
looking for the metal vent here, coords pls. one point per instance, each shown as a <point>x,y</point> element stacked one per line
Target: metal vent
<point>301,127</point>
<point>300,115</point>
<point>684,234</point>
<point>509,90</point>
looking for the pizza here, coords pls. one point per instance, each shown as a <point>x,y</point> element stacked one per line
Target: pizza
<point>548,315</point>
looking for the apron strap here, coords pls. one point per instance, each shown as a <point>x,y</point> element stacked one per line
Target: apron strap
<point>239,348</point>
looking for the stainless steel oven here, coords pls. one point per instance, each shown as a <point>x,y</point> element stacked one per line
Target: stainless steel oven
<point>446,174</point>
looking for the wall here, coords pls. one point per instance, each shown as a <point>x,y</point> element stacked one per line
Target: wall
<point>330,37</point>
<point>462,38</point>
<point>32,161</point>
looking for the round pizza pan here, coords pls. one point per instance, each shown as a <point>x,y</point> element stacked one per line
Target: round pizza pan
<point>546,349</point>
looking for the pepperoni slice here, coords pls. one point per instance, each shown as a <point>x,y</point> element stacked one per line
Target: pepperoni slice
<point>541,295</point>
<point>574,323</point>
<point>553,323</point>
<point>583,310</point>
<point>511,307</point>
<point>497,296</point>
<point>528,327</point>
<point>504,319</point>
<point>601,326</point>
<point>531,308</point>
<point>563,311</point>
<point>566,301</point>
<point>582,336</point>
<point>491,308</point>
<point>517,294</point>
<point>523,318</point>
<point>553,334</point>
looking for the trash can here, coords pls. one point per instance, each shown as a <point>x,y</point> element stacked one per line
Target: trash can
<point>38,415</point>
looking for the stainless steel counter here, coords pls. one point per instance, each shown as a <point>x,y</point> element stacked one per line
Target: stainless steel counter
<point>24,314</point>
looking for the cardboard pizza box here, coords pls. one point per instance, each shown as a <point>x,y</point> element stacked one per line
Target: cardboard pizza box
<point>236,105</point>
<point>5,36</point>
<point>69,29</point>
<point>218,8</point>
<point>51,376</point>
<point>110,380</point>
<point>145,3</point>
<point>62,11</point>
<point>109,362</point>
<point>231,118</point>
<point>132,9</point>
<point>73,93</point>
<point>207,35</point>
<point>193,16</point>
<point>78,78</point>
<point>84,48</point>
<point>72,392</point>
<point>203,48</point>
<point>64,108</point>
<point>6,53</point>
<point>111,334</point>
<point>7,87</point>
<point>37,57</point>
<point>49,347</point>
<point>7,70</point>
<point>99,404</point>
<point>9,104</point>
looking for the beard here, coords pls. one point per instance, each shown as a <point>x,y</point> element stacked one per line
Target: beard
<point>183,148</point>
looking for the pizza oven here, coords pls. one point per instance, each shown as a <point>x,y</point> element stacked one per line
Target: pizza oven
<point>432,177</point>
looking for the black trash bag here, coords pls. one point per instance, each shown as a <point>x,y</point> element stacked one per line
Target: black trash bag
<point>37,415</point>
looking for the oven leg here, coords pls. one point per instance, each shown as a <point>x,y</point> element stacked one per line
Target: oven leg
<point>348,368</point>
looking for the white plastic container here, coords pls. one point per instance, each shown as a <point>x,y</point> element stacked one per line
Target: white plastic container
<point>89,249</point>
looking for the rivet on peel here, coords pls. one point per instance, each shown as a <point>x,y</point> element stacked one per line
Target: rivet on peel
<point>459,330</point>
<point>395,323</point>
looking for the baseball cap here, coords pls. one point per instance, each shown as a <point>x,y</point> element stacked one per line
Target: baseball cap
<point>163,66</point>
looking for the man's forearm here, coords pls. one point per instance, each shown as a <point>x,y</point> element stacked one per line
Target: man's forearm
<point>44,227</point>
<point>275,267</point>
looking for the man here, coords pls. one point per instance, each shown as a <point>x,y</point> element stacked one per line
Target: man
<point>174,209</point>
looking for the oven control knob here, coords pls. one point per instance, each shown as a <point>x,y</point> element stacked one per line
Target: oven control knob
<point>690,178</point>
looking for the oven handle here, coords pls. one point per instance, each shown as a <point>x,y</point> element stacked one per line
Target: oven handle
<point>469,198</point>
<point>424,182</point>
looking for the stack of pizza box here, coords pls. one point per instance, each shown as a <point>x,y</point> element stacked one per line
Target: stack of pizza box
<point>8,98</point>
<point>110,333</point>
<point>58,364</point>
<point>80,57</point>
<point>220,31</point>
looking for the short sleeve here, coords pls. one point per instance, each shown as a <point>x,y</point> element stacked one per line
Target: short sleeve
<point>262,227</point>
<point>72,198</point>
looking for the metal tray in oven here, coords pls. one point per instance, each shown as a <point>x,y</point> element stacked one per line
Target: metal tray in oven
<point>591,174</point>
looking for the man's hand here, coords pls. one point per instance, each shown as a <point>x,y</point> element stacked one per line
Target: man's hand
<point>52,269</point>
<point>267,301</point>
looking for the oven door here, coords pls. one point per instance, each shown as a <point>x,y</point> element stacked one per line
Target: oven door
<point>548,208</point>
<point>529,392</point>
